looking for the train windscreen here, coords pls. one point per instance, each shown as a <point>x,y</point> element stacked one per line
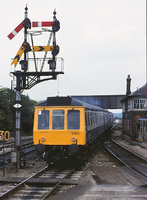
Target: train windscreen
<point>58,120</point>
<point>43,119</point>
<point>73,122</point>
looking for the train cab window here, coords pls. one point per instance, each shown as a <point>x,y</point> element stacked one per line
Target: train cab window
<point>58,120</point>
<point>43,119</point>
<point>73,120</point>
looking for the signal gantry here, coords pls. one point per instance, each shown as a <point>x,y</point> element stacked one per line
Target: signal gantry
<point>27,77</point>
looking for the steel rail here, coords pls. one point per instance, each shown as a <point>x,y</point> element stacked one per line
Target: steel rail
<point>133,153</point>
<point>124,163</point>
<point>24,147</point>
<point>4,157</point>
<point>57,185</point>
<point>6,194</point>
<point>12,142</point>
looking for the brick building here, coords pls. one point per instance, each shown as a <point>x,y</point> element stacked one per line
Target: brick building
<point>134,107</point>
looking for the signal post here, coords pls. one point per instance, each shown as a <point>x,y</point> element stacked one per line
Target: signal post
<point>25,78</point>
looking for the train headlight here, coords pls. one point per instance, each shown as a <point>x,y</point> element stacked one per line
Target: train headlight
<point>73,139</point>
<point>43,139</point>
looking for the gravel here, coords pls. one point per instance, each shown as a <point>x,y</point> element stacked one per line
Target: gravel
<point>139,148</point>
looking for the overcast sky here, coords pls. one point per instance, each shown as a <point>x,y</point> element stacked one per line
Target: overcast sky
<point>101,42</point>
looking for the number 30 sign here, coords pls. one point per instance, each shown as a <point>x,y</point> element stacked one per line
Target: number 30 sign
<point>4,135</point>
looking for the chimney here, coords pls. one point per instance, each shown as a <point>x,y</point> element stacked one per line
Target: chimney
<point>128,85</point>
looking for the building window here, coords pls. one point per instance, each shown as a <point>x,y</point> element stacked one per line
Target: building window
<point>136,103</point>
<point>142,103</point>
<point>139,103</point>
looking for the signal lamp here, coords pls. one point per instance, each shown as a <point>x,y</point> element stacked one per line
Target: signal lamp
<point>52,64</point>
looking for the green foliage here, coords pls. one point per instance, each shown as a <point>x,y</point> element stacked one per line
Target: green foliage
<point>7,112</point>
<point>6,119</point>
<point>27,114</point>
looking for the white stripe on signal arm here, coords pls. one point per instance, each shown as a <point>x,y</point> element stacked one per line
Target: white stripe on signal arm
<point>39,24</point>
<point>14,32</point>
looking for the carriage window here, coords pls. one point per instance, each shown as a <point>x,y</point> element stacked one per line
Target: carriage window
<point>86,119</point>
<point>58,119</point>
<point>43,119</point>
<point>73,120</point>
<point>89,119</point>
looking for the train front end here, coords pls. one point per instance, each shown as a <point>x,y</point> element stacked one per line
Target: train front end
<point>59,129</point>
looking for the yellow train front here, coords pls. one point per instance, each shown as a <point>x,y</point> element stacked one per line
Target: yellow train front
<point>64,125</point>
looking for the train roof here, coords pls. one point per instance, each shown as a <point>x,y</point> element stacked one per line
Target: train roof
<point>68,101</point>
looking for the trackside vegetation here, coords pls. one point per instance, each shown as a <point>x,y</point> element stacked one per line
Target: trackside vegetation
<point>7,112</point>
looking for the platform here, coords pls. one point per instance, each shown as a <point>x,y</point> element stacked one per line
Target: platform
<point>103,192</point>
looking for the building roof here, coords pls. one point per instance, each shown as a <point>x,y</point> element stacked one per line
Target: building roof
<point>141,92</point>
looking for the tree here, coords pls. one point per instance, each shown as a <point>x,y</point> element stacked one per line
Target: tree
<point>7,112</point>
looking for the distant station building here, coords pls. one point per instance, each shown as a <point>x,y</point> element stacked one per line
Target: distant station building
<point>134,108</point>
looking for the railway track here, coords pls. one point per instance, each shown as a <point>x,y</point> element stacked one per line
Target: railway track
<point>10,143</point>
<point>128,158</point>
<point>44,183</point>
<point>27,148</point>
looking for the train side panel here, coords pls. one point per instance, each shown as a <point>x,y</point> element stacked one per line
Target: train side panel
<point>97,122</point>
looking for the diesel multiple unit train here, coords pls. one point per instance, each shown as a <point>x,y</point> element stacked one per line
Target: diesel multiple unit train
<point>67,125</point>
